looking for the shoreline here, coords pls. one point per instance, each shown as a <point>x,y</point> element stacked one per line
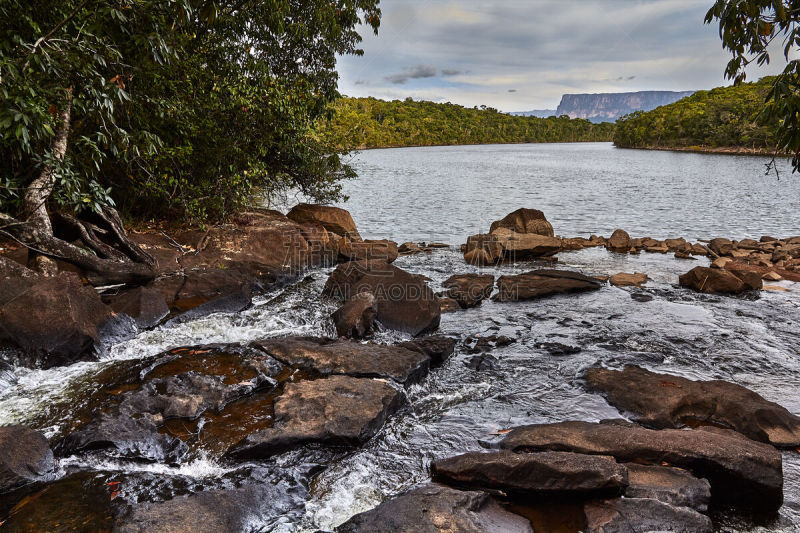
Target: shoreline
<point>720,150</point>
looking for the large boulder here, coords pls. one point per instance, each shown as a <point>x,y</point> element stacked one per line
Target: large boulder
<point>619,241</point>
<point>404,301</point>
<point>669,401</point>
<point>716,281</point>
<point>145,305</point>
<point>329,357</point>
<point>54,321</point>
<point>741,471</point>
<point>483,249</point>
<point>523,220</point>
<point>639,514</point>
<point>25,457</point>
<point>522,246</point>
<point>356,318</point>
<point>335,411</point>
<point>674,486</point>
<point>532,475</point>
<point>542,283</point>
<point>469,290</point>
<point>333,219</point>
<point>437,509</point>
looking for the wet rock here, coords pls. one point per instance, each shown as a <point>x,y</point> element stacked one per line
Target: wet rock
<point>482,362</point>
<point>741,471</point>
<point>146,306</point>
<point>485,343</point>
<point>715,281</point>
<point>437,509</point>
<point>54,321</point>
<point>637,514</point>
<point>668,401</point>
<point>556,348</point>
<point>469,290</point>
<point>619,241</point>
<point>523,246</point>
<point>333,219</point>
<point>409,248</point>
<point>329,357</point>
<point>237,300</point>
<point>448,305</point>
<point>438,348</point>
<point>356,318</point>
<point>531,221</point>
<point>383,250</point>
<point>542,283</point>
<point>623,279</point>
<point>684,255</point>
<point>527,475</point>
<point>699,249</point>
<point>677,245</point>
<point>483,249</point>
<point>674,486</point>
<point>404,301</point>
<point>335,411</point>
<point>25,457</point>
<point>721,247</point>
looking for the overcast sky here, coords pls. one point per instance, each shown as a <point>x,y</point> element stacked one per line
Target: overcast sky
<point>518,55</point>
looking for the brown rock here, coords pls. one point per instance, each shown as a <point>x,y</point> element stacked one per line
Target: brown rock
<point>619,241</point>
<point>449,305</point>
<point>675,245</point>
<point>479,257</point>
<point>699,249</point>
<point>721,246</point>
<point>487,243</point>
<point>145,305</point>
<point>25,457</point>
<point>383,250</point>
<point>674,486</point>
<point>713,281</point>
<point>408,248</point>
<point>469,290</point>
<point>638,514</point>
<point>721,262</point>
<point>333,219</point>
<point>772,276</point>
<point>637,279</point>
<point>522,246</point>
<point>356,318</point>
<point>541,283</point>
<point>530,221</point>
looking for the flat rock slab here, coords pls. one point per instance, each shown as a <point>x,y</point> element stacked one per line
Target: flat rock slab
<point>558,474</point>
<point>437,347</point>
<point>674,486</point>
<point>328,357</point>
<point>437,509</point>
<point>667,401</point>
<point>469,290</point>
<point>542,283</point>
<point>25,457</point>
<point>636,514</point>
<point>337,411</point>
<point>741,471</point>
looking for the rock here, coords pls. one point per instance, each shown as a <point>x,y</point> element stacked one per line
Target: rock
<point>531,221</point>
<point>677,245</point>
<point>684,255</point>
<point>772,276</point>
<point>485,343</point>
<point>767,238</point>
<point>448,305</point>
<point>337,410</point>
<point>667,401</point>
<point>775,288</point>
<point>556,348</point>
<point>239,299</point>
<point>674,486</point>
<point>333,219</point>
<point>146,306</point>
<point>721,262</point>
<point>637,514</point>
<point>532,475</point>
<point>523,246</point>
<point>715,281</point>
<point>25,457</point>
<point>408,248</point>
<point>482,362</point>
<point>619,242</point>
<point>330,357</point>
<point>469,290</point>
<point>384,250</point>
<point>721,246</point>
<point>641,297</point>
<point>699,249</point>
<point>483,249</point>
<point>437,509</point>
<point>623,279</point>
<point>54,321</point>
<point>479,257</point>
<point>437,347</point>
<point>741,471</point>
<point>541,283</point>
<point>404,301</point>
<point>356,318</point>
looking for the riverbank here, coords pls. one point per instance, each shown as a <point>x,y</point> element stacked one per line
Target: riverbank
<point>724,150</point>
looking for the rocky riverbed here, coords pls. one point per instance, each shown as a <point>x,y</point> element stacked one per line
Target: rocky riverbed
<point>283,374</point>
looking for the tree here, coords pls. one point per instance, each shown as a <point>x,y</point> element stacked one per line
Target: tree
<point>747,29</point>
<point>180,107</point>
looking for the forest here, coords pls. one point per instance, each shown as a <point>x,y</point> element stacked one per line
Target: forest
<point>361,123</point>
<point>725,117</point>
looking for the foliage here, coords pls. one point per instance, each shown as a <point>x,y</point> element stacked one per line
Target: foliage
<point>721,117</point>
<point>747,29</point>
<point>184,106</point>
<point>360,123</point>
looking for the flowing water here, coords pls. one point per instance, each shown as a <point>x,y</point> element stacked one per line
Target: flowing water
<point>445,194</point>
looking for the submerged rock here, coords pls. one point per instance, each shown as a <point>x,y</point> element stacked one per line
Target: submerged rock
<point>329,357</point>
<point>437,509</point>
<point>715,280</point>
<point>524,220</point>
<point>637,514</point>
<point>334,411</point>
<point>469,290</point>
<point>741,471</point>
<point>25,457</point>
<point>530,475</point>
<point>356,318</point>
<point>668,401</point>
<point>674,486</point>
<point>542,283</point>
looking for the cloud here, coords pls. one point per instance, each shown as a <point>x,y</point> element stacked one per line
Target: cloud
<point>412,73</point>
<point>451,72</point>
<point>512,90</point>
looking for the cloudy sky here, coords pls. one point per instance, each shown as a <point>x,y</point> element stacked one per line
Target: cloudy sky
<point>518,55</point>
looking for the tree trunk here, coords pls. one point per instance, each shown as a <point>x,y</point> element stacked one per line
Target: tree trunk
<point>40,189</point>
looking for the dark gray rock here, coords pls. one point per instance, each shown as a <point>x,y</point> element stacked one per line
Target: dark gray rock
<point>25,457</point>
<point>635,514</point>
<point>437,509</point>
<point>674,486</point>
<point>528,475</point>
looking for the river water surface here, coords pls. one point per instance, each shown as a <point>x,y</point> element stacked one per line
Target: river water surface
<point>445,194</point>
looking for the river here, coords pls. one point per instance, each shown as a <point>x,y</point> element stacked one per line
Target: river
<point>444,194</point>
